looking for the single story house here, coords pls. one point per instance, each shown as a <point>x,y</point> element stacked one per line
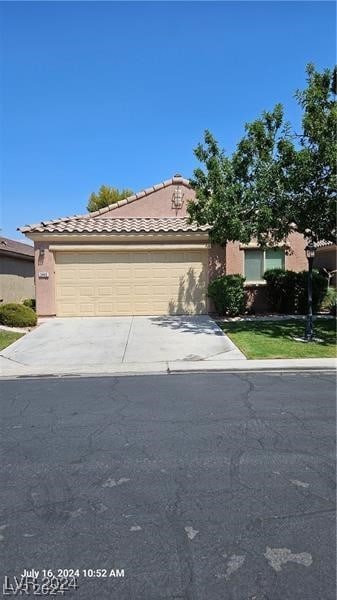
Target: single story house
<point>141,256</point>
<point>16,271</point>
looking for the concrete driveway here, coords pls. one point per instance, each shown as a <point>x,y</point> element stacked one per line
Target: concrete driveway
<point>77,343</point>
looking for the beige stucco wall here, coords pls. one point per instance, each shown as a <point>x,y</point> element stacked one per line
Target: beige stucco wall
<point>157,204</point>
<point>234,258</point>
<point>216,268</point>
<point>295,260</point>
<point>45,288</point>
<point>216,261</point>
<point>16,279</point>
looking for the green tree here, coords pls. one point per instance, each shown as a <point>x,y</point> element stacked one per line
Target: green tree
<point>314,176</point>
<point>105,196</point>
<point>275,178</point>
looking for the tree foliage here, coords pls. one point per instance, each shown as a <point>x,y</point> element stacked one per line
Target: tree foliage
<point>275,177</point>
<point>315,175</point>
<point>105,196</point>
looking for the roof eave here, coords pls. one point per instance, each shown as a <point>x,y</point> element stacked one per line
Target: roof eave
<point>97,238</point>
<point>13,254</point>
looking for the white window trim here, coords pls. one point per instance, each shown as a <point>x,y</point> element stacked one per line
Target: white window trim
<point>254,283</point>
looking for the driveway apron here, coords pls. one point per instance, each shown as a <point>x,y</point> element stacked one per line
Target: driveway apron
<point>101,341</point>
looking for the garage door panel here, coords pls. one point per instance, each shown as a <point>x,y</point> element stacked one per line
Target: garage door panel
<point>101,292</point>
<point>70,310</point>
<point>105,309</point>
<point>67,277</point>
<point>84,310</point>
<point>67,291</point>
<point>83,291</point>
<point>122,271</point>
<point>159,290</point>
<point>141,288</point>
<point>126,283</point>
<point>124,291</point>
<point>104,279</point>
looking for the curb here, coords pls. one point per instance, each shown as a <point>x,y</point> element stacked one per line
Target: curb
<point>14,371</point>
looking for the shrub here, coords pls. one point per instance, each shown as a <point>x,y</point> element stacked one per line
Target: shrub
<point>287,290</point>
<point>333,308</point>
<point>30,302</point>
<point>281,290</point>
<point>319,288</point>
<point>228,294</point>
<point>17,315</point>
<point>329,299</point>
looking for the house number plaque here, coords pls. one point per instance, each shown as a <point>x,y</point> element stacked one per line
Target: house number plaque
<point>43,275</point>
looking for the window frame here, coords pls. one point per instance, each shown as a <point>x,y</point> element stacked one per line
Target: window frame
<point>263,250</point>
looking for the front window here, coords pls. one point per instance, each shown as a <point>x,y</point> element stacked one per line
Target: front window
<point>258,261</point>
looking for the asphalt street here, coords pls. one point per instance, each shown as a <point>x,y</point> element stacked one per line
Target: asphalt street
<point>199,486</point>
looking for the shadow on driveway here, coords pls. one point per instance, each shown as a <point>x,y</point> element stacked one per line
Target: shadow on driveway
<point>185,324</point>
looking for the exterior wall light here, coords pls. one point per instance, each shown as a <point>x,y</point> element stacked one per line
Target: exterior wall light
<point>310,250</point>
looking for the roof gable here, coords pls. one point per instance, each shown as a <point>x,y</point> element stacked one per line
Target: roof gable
<point>174,181</point>
<point>153,202</point>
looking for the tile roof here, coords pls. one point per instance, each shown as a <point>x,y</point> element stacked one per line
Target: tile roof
<point>175,180</point>
<point>118,225</point>
<point>323,244</point>
<point>15,247</point>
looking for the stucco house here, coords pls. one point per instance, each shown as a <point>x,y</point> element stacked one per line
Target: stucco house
<point>141,256</point>
<point>16,271</point>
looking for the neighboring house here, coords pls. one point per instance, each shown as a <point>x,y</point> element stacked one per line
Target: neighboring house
<point>325,259</point>
<point>141,256</point>
<point>16,271</point>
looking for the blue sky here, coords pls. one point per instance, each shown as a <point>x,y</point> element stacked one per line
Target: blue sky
<point>120,92</point>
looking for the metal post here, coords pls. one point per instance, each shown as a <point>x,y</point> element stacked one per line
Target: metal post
<point>309,330</point>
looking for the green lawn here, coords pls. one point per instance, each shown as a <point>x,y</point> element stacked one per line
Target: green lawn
<point>273,339</point>
<point>8,337</point>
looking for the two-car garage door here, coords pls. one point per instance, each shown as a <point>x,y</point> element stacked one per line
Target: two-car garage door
<point>156,282</point>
